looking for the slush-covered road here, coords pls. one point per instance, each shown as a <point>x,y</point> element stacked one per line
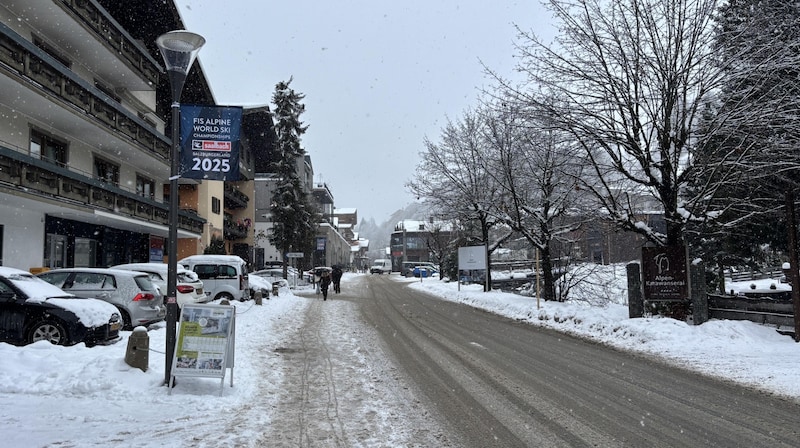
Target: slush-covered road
<point>504,383</point>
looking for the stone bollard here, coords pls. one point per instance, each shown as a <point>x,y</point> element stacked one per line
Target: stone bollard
<point>138,353</point>
<point>257,297</point>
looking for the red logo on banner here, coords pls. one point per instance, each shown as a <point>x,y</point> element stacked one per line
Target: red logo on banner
<point>210,145</point>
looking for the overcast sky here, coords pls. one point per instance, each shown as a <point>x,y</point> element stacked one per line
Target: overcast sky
<point>378,76</point>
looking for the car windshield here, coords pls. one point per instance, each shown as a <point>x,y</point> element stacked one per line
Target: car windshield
<point>34,287</point>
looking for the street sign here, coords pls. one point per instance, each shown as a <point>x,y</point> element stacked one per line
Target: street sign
<point>294,255</point>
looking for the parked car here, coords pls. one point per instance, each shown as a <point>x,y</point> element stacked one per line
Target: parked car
<point>409,266</point>
<point>189,287</point>
<point>223,276</point>
<point>273,275</point>
<point>133,293</point>
<point>278,272</point>
<point>423,271</point>
<point>33,310</point>
<point>259,284</point>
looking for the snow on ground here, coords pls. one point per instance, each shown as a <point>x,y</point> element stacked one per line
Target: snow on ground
<point>78,396</point>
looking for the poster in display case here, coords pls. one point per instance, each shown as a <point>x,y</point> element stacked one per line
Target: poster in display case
<point>205,344</point>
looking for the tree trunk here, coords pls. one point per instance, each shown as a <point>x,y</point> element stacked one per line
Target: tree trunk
<point>549,290</point>
<point>794,268</point>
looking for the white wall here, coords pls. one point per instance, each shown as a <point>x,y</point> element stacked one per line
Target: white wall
<point>23,238</point>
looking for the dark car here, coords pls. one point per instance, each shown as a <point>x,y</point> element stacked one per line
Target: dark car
<point>33,310</point>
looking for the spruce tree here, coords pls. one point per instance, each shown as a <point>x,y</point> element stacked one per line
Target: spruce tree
<point>293,215</point>
<point>758,43</point>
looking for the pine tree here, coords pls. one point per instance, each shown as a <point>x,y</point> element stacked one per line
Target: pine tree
<point>294,216</point>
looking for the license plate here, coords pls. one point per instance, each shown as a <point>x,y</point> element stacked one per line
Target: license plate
<point>116,326</point>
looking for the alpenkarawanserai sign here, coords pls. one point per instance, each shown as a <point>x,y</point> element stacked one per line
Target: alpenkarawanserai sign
<point>665,273</point>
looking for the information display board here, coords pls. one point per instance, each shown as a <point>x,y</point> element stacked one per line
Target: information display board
<point>205,345</point>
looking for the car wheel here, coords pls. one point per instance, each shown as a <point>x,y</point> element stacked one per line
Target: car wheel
<point>127,324</point>
<point>48,330</point>
<point>224,296</point>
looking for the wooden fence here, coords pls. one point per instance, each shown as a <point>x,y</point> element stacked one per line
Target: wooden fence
<point>774,309</point>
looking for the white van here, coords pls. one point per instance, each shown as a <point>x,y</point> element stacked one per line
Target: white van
<point>223,276</point>
<point>381,266</point>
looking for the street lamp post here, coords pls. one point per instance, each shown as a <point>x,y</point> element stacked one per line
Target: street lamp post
<point>179,49</point>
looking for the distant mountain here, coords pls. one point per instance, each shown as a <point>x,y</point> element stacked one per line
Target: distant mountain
<point>378,234</point>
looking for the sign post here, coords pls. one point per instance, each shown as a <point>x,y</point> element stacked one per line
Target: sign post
<point>472,258</point>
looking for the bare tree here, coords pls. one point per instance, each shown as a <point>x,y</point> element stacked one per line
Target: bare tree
<point>536,169</point>
<point>452,177</point>
<point>630,79</point>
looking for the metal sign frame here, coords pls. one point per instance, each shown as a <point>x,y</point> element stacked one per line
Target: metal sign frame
<point>206,343</point>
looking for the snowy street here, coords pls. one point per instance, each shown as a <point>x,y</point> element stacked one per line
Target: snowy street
<point>310,373</point>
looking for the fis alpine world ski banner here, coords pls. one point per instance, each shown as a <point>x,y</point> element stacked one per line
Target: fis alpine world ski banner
<point>210,142</point>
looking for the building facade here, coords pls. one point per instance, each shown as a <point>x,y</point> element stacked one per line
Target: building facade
<point>83,152</point>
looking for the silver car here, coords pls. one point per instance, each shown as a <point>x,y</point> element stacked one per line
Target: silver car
<point>133,293</point>
<point>189,287</point>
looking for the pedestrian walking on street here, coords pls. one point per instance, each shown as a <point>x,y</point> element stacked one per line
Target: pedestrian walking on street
<point>336,278</point>
<point>324,283</point>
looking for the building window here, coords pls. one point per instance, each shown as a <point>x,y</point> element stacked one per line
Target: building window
<point>48,148</point>
<point>106,171</point>
<point>145,187</point>
<point>215,206</point>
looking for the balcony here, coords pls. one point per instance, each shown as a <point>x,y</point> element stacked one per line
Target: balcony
<point>234,198</point>
<point>105,30</point>
<point>30,176</point>
<point>234,229</point>
<point>24,63</point>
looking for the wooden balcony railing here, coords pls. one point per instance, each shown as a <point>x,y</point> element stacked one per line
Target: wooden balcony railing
<point>28,64</point>
<point>40,178</point>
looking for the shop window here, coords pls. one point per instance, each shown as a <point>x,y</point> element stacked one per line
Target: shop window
<point>55,252</point>
<point>85,252</point>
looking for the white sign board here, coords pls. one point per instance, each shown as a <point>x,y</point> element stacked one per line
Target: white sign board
<point>471,258</point>
<point>205,342</point>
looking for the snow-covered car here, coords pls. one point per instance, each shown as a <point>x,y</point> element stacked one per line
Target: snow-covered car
<point>133,293</point>
<point>33,310</point>
<point>276,275</point>
<point>189,287</point>
<point>258,283</point>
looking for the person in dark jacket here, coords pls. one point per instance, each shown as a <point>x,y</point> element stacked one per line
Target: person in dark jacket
<point>336,278</point>
<point>324,283</point>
